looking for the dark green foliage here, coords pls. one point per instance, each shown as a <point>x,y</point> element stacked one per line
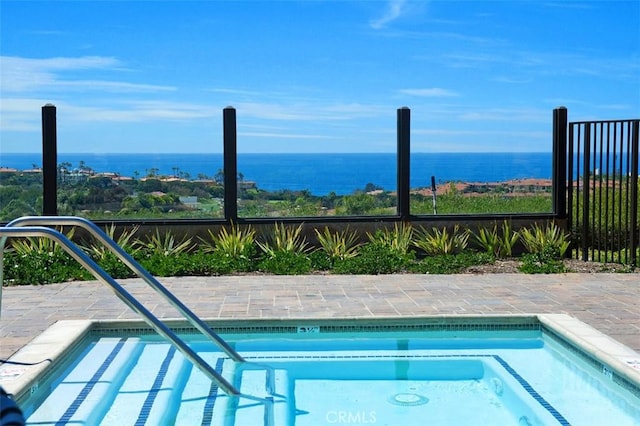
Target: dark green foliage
<point>221,263</point>
<point>458,203</point>
<point>375,258</point>
<point>172,265</point>
<point>283,262</point>
<point>451,263</point>
<point>321,261</point>
<point>42,268</point>
<point>546,261</point>
<point>114,266</point>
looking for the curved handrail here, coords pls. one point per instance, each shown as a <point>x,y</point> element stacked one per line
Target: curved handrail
<point>133,265</point>
<point>124,295</point>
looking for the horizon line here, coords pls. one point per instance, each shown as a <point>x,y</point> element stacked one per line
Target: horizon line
<point>282,153</point>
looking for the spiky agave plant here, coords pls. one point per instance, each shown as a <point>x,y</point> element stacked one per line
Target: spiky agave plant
<point>234,243</point>
<point>340,244</point>
<point>440,241</point>
<point>538,240</point>
<point>495,243</point>
<point>125,240</point>
<point>284,239</point>
<point>165,244</point>
<point>398,239</point>
<point>38,245</point>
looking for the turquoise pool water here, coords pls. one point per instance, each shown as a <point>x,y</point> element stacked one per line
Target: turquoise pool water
<point>318,376</point>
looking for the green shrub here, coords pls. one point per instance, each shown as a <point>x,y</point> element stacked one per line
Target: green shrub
<point>40,260</point>
<point>107,260</point>
<point>113,266</point>
<point>321,261</point>
<point>176,265</point>
<point>450,263</point>
<point>545,262</point>
<point>221,263</point>
<point>282,262</point>
<point>375,258</point>
<point>42,267</point>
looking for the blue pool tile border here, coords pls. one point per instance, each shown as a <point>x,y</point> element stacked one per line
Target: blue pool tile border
<point>207,412</point>
<point>82,395</point>
<point>534,394</point>
<point>155,388</point>
<point>323,328</point>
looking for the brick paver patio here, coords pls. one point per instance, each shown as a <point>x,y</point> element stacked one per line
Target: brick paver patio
<point>607,302</point>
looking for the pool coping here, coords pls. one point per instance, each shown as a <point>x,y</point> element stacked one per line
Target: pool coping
<point>616,361</point>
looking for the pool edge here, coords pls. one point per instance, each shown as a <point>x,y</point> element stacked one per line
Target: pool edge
<point>23,372</point>
<point>62,338</point>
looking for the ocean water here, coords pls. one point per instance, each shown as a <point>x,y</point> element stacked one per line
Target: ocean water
<point>318,173</point>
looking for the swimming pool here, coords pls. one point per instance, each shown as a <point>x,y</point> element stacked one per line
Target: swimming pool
<point>526,370</point>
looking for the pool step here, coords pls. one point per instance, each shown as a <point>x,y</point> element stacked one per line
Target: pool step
<point>120,381</point>
<point>203,403</point>
<point>151,393</point>
<point>84,396</point>
<point>258,381</point>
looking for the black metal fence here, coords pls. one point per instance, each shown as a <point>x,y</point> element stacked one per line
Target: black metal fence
<point>594,185</point>
<point>230,171</point>
<point>602,191</point>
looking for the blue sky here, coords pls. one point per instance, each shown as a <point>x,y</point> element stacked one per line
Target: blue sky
<point>313,76</point>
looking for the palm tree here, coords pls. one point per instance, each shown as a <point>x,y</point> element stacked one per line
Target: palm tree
<point>219,176</point>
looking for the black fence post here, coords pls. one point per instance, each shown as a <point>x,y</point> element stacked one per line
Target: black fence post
<point>633,214</point>
<point>230,166</point>
<point>559,177</point>
<point>586,188</point>
<point>404,161</point>
<point>49,161</point>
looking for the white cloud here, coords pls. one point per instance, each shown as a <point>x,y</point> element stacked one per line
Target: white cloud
<point>393,12</point>
<point>20,115</point>
<point>140,111</point>
<point>21,75</point>
<point>431,92</point>
<point>309,112</point>
<point>519,115</point>
<point>23,114</point>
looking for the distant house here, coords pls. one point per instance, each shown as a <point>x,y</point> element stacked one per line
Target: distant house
<point>191,201</point>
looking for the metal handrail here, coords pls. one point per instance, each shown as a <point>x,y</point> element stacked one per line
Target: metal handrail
<point>124,295</point>
<point>134,266</point>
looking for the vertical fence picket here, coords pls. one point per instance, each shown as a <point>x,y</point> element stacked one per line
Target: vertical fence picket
<point>604,211</point>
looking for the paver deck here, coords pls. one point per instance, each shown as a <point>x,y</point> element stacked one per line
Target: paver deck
<point>608,302</point>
